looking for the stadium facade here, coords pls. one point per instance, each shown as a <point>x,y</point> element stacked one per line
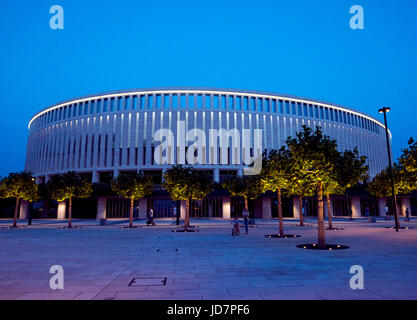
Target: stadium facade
<point>101,135</point>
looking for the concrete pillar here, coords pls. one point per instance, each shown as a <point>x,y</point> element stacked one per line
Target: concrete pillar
<point>101,208</point>
<point>210,209</point>
<point>381,207</point>
<point>61,210</point>
<point>95,177</point>
<point>356,206</point>
<point>216,175</point>
<point>24,209</point>
<point>143,208</point>
<point>405,204</point>
<point>116,172</point>
<point>296,207</point>
<point>183,208</point>
<point>266,208</point>
<point>226,207</point>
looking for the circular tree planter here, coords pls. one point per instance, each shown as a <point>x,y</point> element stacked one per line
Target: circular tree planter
<point>302,226</point>
<point>127,227</point>
<point>335,228</point>
<point>285,236</point>
<point>189,229</point>
<point>329,247</point>
<point>66,227</point>
<point>11,227</point>
<point>402,228</point>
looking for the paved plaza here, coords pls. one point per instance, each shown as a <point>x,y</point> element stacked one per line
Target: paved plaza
<point>100,262</point>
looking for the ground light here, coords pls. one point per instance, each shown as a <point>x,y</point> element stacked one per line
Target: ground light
<point>189,229</point>
<point>285,236</point>
<point>328,247</point>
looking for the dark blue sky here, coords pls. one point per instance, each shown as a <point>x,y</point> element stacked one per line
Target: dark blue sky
<point>301,47</point>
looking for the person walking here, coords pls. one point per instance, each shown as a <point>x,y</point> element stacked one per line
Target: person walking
<point>245,215</point>
<point>407,215</point>
<point>150,220</point>
<point>367,212</point>
<point>386,212</point>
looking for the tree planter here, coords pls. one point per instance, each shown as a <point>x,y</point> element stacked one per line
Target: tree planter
<point>285,236</point>
<point>327,247</point>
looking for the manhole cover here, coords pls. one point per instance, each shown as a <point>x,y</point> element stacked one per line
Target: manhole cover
<point>167,250</point>
<point>148,282</point>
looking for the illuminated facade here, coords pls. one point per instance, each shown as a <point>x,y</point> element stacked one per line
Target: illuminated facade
<point>102,135</point>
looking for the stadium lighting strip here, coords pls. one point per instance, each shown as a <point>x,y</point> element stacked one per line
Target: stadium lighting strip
<point>243,94</point>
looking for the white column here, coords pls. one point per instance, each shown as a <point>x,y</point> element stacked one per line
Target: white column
<point>216,175</point>
<point>405,204</point>
<point>266,208</point>
<point>95,177</point>
<point>24,209</point>
<point>296,207</point>
<point>61,210</point>
<point>356,206</point>
<point>183,208</point>
<point>101,208</point>
<point>381,207</point>
<point>226,207</point>
<point>143,208</point>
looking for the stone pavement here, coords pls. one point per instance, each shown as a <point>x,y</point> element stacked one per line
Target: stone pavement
<point>100,262</point>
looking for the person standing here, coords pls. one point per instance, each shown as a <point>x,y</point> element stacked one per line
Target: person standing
<point>407,215</point>
<point>367,212</point>
<point>245,215</point>
<point>151,217</point>
<point>386,212</point>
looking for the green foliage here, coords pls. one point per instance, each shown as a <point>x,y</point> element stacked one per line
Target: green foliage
<point>67,186</point>
<point>132,185</point>
<point>350,169</point>
<point>249,187</point>
<point>276,170</point>
<point>408,161</point>
<point>381,184</point>
<point>19,185</point>
<point>313,157</point>
<point>184,183</point>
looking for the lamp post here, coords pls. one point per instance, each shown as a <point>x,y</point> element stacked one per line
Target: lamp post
<point>384,110</point>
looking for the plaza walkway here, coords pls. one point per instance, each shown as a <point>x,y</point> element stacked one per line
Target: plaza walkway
<point>100,262</point>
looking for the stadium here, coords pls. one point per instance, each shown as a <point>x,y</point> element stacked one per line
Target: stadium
<point>101,135</point>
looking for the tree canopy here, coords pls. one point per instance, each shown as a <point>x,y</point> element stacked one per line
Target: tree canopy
<point>132,185</point>
<point>185,183</point>
<point>20,185</point>
<point>248,187</point>
<point>68,185</point>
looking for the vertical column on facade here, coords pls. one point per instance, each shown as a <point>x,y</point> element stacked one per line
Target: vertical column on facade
<point>216,175</point>
<point>405,204</point>
<point>101,208</point>
<point>266,208</point>
<point>296,207</point>
<point>183,208</point>
<point>226,207</point>
<point>356,206</point>
<point>381,206</point>
<point>61,210</point>
<point>95,177</point>
<point>24,209</point>
<point>143,208</point>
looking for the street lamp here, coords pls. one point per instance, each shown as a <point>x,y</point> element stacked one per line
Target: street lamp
<point>384,110</point>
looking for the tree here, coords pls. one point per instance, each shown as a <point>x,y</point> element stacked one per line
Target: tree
<point>186,183</point>
<point>19,185</point>
<point>69,185</point>
<point>408,162</point>
<point>133,186</point>
<point>275,176</point>
<point>350,169</point>
<point>248,187</point>
<point>313,156</point>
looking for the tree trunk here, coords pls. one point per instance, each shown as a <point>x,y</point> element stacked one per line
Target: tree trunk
<point>300,205</point>
<point>187,214</point>
<point>246,203</point>
<point>16,210</point>
<point>320,218</point>
<point>131,213</point>
<point>329,211</point>
<point>280,222</point>
<point>397,220</point>
<point>70,213</point>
